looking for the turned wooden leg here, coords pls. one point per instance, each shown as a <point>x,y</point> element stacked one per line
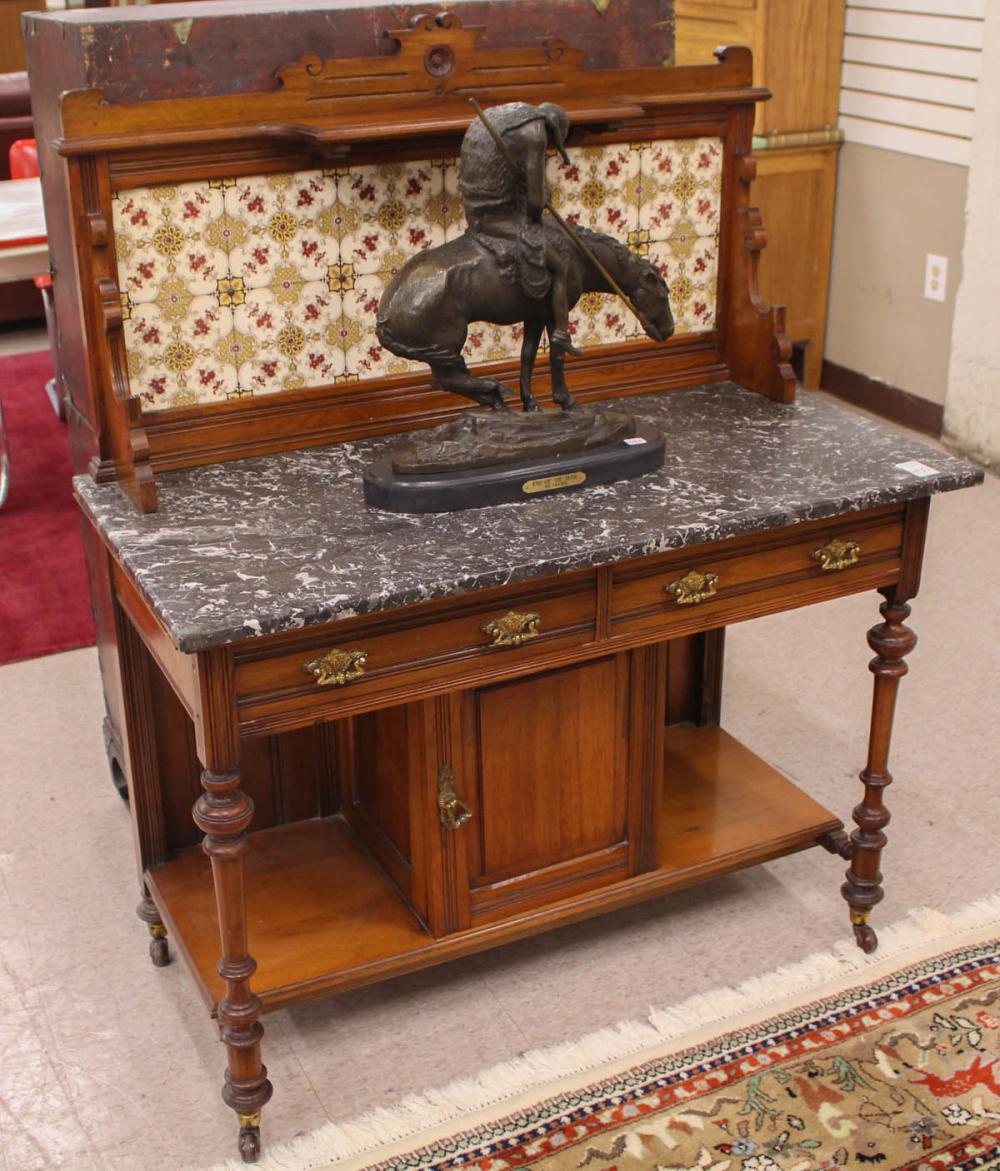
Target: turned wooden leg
<point>159,952</point>
<point>891,641</point>
<point>223,813</point>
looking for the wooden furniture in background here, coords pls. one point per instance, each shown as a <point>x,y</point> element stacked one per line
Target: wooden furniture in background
<point>797,54</point>
<point>11,40</point>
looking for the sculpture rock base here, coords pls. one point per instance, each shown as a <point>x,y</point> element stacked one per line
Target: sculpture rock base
<point>486,458</point>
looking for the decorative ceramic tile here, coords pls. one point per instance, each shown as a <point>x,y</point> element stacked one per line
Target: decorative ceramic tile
<point>394,204</point>
<point>680,187</point>
<point>446,209</point>
<point>690,266</point>
<point>593,190</point>
<point>255,285</point>
<point>600,319</point>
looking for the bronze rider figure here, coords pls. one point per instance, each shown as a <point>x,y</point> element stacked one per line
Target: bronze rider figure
<point>504,207</point>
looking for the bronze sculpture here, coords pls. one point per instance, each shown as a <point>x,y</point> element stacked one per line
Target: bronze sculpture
<point>512,264</point>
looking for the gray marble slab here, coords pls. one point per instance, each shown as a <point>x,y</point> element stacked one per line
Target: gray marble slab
<point>240,550</point>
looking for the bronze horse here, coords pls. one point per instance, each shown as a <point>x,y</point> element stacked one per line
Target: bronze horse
<point>426,311</point>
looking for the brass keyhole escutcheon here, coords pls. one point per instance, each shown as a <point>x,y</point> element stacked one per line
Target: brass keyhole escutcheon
<point>514,628</point>
<point>693,587</point>
<point>837,554</point>
<point>453,812</point>
<point>337,667</point>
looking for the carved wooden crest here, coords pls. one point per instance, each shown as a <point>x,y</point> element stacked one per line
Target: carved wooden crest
<point>436,55</point>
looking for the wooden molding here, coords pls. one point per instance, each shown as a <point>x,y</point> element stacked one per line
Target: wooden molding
<point>891,402</point>
<point>421,89</point>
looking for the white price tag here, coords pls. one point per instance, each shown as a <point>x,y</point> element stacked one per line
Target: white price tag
<point>915,468</point>
<point>634,440</point>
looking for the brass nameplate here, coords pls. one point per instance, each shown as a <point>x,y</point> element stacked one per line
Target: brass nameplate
<point>549,483</point>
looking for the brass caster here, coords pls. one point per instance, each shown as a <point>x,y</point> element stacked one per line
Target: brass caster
<point>249,1140</point>
<point>864,936</point>
<point>159,951</point>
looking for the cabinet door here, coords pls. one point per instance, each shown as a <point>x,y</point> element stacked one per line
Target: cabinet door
<point>558,773</point>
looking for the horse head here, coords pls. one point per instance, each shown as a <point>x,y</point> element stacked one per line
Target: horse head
<point>639,278</point>
<point>649,294</point>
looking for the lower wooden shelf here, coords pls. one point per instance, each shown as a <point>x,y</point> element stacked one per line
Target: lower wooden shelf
<point>324,916</point>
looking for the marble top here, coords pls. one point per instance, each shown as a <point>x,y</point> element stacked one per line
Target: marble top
<point>244,549</point>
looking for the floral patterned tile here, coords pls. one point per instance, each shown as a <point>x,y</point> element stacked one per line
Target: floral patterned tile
<point>680,187</point>
<point>271,226</point>
<point>600,319</point>
<point>446,209</point>
<point>288,337</point>
<point>393,205</point>
<point>160,233</point>
<point>354,334</point>
<point>597,188</point>
<point>256,285</point>
<point>492,343</point>
<point>690,267</point>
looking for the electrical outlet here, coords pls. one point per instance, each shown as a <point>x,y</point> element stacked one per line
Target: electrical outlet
<point>936,277</point>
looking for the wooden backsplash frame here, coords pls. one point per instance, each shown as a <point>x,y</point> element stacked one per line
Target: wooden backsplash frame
<point>365,110</point>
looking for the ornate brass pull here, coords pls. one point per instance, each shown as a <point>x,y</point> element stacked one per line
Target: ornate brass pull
<point>513,628</point>
<point>837,554</point>
<point>693,587</point>
<point>337,667</point>
<point>454,813</point>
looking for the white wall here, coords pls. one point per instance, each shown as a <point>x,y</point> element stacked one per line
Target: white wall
<point>909,75</point>
<point>972,405</point>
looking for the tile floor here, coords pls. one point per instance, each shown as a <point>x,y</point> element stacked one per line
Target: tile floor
<point>107,1063</point>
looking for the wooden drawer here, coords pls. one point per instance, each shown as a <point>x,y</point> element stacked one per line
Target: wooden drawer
<point>745,577</point>
<point>403,649</point>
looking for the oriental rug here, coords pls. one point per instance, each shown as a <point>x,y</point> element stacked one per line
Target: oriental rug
<point>44,596</point>
<point>840,1063</point>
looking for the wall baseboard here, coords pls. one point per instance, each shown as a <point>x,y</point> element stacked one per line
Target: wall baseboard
<point>888,401</point>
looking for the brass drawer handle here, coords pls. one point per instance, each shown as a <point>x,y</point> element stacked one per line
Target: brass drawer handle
<point>693,587</point>
<point>337,667</point>
<point>836,554</point>
<point>513,628</point>
<point>453,812</point>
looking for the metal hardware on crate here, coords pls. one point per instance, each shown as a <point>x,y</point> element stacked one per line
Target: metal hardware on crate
<point>453,812</point>
<point>837,554</point>
<point>513,628</point>
<point>337,667</point>
<point>693,587</point>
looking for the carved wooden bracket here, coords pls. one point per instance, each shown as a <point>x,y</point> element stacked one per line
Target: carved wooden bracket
<point>129,442</point>
<point>757,348</point>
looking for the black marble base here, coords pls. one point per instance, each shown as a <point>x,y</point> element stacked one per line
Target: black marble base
<point>392,491</point>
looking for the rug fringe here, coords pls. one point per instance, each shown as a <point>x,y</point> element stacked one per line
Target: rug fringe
<point>335,1143</point>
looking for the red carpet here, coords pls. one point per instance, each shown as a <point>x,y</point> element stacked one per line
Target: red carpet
<point>44,598</point>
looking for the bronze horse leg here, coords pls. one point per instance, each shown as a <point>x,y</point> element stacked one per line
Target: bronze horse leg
<point>529,351</point>
<point>557,365</point>
<point>453,374</point>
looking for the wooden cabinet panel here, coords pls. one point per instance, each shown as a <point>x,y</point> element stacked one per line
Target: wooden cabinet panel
<point>11,39</point>
<point>552,769</point>
<point>559,773</point>
<point>795,191</point>
<point>797,51</point>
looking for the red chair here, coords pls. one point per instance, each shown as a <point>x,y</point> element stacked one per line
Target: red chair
<point>24,158</point>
